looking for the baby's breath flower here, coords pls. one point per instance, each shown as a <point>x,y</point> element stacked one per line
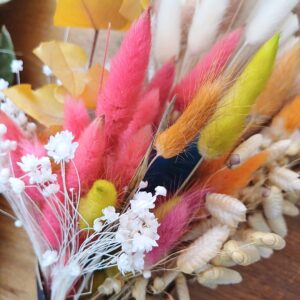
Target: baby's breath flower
<point>47,71</point>
<point>137,231</point>
<point>50,189</point>
<point>38,169</point>
<point>98,225</point>
<point>16,65</point>
<point>61,146</point>
<point>18,223</point>
<point>109,214</point>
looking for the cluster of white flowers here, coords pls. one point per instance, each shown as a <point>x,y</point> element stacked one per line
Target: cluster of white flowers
<point>137,230</point>
<point>16,66</point>
<point>18,116</point>
<point>5,147</point>
<point>37,169</point>
<point>39,172</point>
<point>61,147</point>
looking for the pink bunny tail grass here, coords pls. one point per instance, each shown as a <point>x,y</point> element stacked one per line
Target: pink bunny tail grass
<point>209,67</point>
<point>76,117</point>
<point>32,146</point>
<point>88,158</point>
<point>130,156</point>
<point>13,131</point>
<point>174,225</point>
<point>50,226</point>
<point>120,95</point>
<point>145,114</point>
<point>162,80</point>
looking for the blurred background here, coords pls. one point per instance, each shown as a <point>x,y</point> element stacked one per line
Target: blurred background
<point>29,23</point>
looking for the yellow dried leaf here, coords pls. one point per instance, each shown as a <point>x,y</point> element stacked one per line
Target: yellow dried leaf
<point>41,104</point>
<point>67,62</point>
<point>93,81</point>
<point>131,9</point>
<point>89,13</point>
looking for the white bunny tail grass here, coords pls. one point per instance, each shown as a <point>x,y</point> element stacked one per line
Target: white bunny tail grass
<point>167,31</point>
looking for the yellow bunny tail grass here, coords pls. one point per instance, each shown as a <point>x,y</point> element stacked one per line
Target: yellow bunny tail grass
<point>173,140</point>
<point>278,89</point>
<point>102,194</point>
<point>289,116</point>
<point>228,122</point>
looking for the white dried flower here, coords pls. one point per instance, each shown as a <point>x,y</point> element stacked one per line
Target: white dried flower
<point>16,65</point>
<point>160,191</point>
<point>47,71</point>
<point>98,225</point>
<point>61,146</point>
<point>18,223</point>
<point>38,169</point>
<point>17,185</point>
<point>109,214</point>
<point>51,189</point>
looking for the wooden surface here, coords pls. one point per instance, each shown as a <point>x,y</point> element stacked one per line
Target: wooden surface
<point>278,278</point>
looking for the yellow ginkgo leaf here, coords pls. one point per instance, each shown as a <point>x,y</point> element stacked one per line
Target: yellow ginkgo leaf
<point>41,104</point>
<point>131,9</point>
<point>93,81</point>
<point>89,13</point>
<point>67,62</point>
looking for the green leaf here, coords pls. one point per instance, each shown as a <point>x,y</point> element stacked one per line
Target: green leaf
<point>6,55</point>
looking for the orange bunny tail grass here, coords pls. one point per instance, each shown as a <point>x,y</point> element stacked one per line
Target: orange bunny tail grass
<point>288,117</point>
<point>174,140</point>
<point>278,89</point>
<point>230,181</point>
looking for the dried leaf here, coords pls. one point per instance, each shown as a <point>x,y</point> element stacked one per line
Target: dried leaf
<point>93,80</point>
<point>67,62</point>
<point>89,13</point>
<point>40,104</point>
<point>131,9</point>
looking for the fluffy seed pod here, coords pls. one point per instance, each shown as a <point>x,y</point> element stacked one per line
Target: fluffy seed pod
<point>160,283</point>
<point>139,289</point>
<point>245,150</point>
<point>292,197</point>
<point>278,225</point>
<point>182,288</point>
<point>110,286</point>
<point>290,209</point>
<point>258,222</point>
<point>265,252</point>
<point>199,229</point>
<point>285,179</point>
<point>226,209</point>
<point>218,275</point>
<point>264,239</point>
<point>272,203</point>
<point>203,249</point>
<point>242,253</point>
<point>223,260</point>
<point>278,149</point>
